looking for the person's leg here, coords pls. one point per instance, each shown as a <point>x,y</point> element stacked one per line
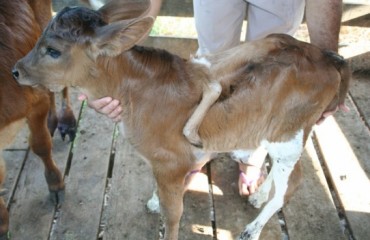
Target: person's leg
<point>266,17</point>
<point>218,24</point>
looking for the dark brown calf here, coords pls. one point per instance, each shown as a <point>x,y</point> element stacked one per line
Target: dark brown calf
<point>269,98</point>
<point>21,22</point>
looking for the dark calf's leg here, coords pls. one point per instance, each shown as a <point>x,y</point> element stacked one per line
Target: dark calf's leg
<point>52,116</point>
<point>40,143</point>
<point>66,119</point>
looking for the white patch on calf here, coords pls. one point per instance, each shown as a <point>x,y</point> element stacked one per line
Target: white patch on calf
<point>241,156</point>
<point>202,61</point>
<point>153,203</point>
<point>284,156</point>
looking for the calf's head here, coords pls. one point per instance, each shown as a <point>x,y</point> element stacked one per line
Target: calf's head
<point>67,52</point>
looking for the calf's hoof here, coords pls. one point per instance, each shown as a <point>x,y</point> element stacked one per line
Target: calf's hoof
<point>5,236</point>
<point>192,136</point>
<point>194,140</point>
<point>67,130</point>
<point>251,232</point>
<point>153,205</point>
<point>67,124</point>
<point>57,197</point>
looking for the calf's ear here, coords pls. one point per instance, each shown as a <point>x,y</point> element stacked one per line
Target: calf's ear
<point>115,38</point>
<point>120,10</point>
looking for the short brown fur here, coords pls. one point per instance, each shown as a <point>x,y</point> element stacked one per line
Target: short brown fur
<point>270,97</point>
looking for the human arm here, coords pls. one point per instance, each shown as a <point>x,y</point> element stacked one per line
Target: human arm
<point>323,22</point>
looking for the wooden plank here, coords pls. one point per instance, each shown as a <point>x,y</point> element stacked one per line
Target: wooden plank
<point>14,162</point>
<point>80,213</point>
<point>196,219</point>
<point>360,93</point>
<point>21,141</point>
<point>233,212</point>
<point>183,47</point>
<point>311,214</point>
<point>351,12</point>
<point>31,210</point>
<point>356,2</point>
<point>132,186</point>
<point>58,5</point>
<point>344,143</point>
<point>178,8</point>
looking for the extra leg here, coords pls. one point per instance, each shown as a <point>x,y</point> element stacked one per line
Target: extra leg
<point>210,95</point>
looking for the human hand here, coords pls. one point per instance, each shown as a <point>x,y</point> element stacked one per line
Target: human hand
<point>342,107</point>
<point>108,106</point>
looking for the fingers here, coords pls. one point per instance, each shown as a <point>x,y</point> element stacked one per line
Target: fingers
<point>82,97</point>
<point>342,107</point>
<point>115,111</point>
<point>103,105</point>
<point>107,106</point>
<point>243,189</point>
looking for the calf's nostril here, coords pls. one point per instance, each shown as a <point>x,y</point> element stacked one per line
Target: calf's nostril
<point>15,73</point>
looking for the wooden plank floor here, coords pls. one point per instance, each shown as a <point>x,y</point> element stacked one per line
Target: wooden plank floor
<point>108,185</point>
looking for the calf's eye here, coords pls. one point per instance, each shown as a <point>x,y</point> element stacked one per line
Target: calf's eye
<point>53,52</point>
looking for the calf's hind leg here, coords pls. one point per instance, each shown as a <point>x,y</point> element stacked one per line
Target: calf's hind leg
<point>40,143</point>
<point>284,157</point>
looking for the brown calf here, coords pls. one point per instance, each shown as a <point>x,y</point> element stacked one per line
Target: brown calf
<point>269,97</point>
<point>21,22</point>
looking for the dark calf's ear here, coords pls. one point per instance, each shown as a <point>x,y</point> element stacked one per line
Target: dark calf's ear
<point>115,38</point>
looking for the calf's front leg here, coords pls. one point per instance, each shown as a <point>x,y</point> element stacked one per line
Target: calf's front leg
<point>171,187</point>
<point>41,144</point>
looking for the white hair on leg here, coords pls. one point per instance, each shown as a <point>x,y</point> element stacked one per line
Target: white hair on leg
<point>284,156</point>
<point>153,203</point>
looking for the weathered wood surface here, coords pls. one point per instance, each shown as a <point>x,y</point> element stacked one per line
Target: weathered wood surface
<point>108,185</point>
<point>311,213</point>
<point>131,186</point>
